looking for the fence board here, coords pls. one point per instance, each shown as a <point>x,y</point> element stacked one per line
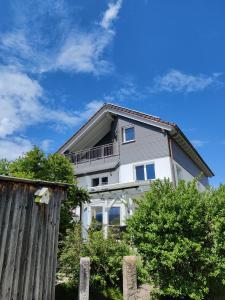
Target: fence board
<point>28,239</point>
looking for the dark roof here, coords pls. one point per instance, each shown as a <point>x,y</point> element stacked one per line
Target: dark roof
<point>177,131</point>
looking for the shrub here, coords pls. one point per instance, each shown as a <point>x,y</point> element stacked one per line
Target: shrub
<point>180,234</point>
<point>106,257</point>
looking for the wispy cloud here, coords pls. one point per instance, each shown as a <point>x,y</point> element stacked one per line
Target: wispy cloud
<point>128,90</point>
<point>65,46</point>
<point>177,81</point>
<point>198,143</point>
<point>111,14</point>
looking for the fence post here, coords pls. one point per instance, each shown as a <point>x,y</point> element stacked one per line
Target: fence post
<point>129,278</point>
<point>84,278</point>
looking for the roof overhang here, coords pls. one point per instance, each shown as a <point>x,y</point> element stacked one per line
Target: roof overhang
<point>100,122</point>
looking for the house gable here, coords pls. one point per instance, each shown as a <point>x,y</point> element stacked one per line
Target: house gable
<point>100,124</point>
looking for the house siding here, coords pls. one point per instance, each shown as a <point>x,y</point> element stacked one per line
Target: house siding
<point>150,142</point>
<point>187,163</point>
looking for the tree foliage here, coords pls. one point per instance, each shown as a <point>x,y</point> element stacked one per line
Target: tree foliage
<point>54,167</point>
<point>180,234</point>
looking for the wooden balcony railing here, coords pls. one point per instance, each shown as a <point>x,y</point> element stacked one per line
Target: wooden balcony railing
<point>94,153</point>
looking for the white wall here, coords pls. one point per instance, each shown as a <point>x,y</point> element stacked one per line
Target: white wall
<point>162,169</point>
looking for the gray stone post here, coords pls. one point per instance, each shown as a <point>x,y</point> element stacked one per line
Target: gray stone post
<point>129,278</point>
<point>84,278</point>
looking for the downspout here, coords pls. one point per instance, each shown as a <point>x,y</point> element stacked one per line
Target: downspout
<point>171,160</point>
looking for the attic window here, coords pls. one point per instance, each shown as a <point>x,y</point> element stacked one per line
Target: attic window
<point>128,134</point>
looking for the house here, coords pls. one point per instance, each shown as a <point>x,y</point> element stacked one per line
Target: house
<point>119,151</point>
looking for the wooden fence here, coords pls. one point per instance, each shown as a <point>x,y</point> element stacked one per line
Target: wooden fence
<point>28,239</point>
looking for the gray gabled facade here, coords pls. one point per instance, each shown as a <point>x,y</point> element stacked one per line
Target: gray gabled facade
<point>117,154</point>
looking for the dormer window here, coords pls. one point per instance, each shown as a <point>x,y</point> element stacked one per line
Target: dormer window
<point>128,134</point>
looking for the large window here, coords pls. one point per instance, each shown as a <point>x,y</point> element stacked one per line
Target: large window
<point>97,214</point>
<point>140,173</point>
<point>114,216</point>
<point>145,172</point>
<point>128,134</point>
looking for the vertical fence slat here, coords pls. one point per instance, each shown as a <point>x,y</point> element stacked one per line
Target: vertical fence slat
<point>7,198</point>
<point>7,229</point>
<point>19,250</point>
<point>13,232</point>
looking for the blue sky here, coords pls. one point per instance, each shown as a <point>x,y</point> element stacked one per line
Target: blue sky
<point>61,60</point>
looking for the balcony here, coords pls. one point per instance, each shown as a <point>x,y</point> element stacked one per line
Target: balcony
<point>95,153</point>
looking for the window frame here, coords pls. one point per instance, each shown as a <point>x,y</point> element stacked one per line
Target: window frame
<point>124,141</point>
<point>145,170</point>
<point>94,207</point>
<point>107,180</point>
<point>92,179</point>
<point>120,212</point>
<point>99,180</point>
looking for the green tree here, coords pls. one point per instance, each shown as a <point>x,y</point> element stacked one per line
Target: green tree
<point>180,234</point>
<point>54,167</point>
<point>4,167</point>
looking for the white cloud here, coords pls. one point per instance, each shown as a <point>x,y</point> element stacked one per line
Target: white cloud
<point>82,52</point>
<point>23,103</point>
<point>19,101</point>
<point>14,147</point>
<point>176,81</point>
<point>111,14</point>
<point>64,46</point>
<point>198,143</point>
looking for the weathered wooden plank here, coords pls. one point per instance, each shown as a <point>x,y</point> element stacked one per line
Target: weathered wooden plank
<point>49,253</point>
<point>55,233</point>
<point>6,198</point>
<point>40,252</point>
<point>62,195</point>
<point>12,241</point>
<point>6,244</point>
<point>31,253</point>
<point>19,250</point>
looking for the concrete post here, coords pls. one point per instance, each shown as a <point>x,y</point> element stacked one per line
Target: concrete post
<point>84,278</point>
<point>129,278</point>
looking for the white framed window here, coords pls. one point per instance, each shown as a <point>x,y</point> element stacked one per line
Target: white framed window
<point>114,216</point>
<point>145,171</point>
<point>97,214</point>
<point>99,181</point>
<point>128,134</point>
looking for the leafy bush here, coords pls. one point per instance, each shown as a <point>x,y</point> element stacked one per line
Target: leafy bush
<point>180,234</point>
<point>106,257</point>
